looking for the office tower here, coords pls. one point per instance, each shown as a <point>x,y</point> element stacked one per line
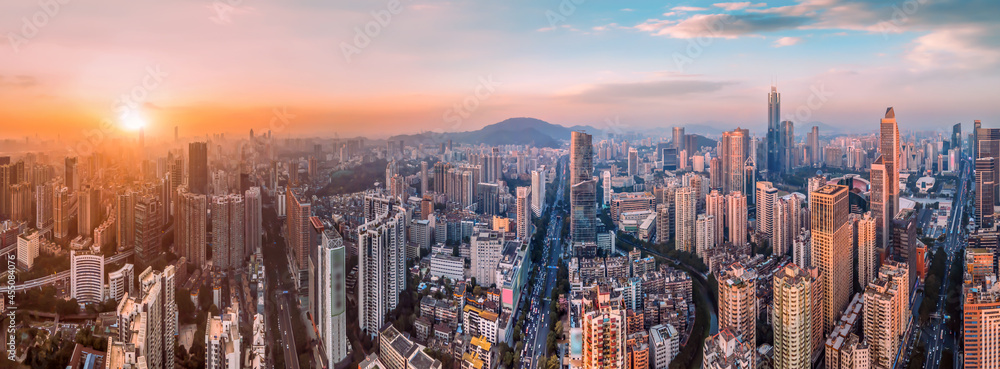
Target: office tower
<point>831,248</point>
<point>736,219</point>
<point>813,145</point>
<point>733,156</point>
<point>608,190</point>
<point>904,241</point>
<point>191,227</point>
<point>726,350</point>
<point>147,233</point>
<point>715,173</point>
<point>787,143</point>
<point>382,267</point>
<point>603,326</point>
<point>86,276</point>
<point>774,148</point>
<point>985,189</point>
<point>750,180</point>
<point>44,195</point>
<point>715,205</point>
<point>223,341</point>
<point>884,196</point>
<point>956,137</point>
<point>332,296</point>
<point>27,248</point>
<point>125,218</point>
<point>881,321</point>
<point>981,316</point>
<point>867,254</point>
<point>71,178</point>
<point>583,190</point>
<point>685,204</point>
<point>423,177</point>
<point>678,138</point>
<point>523,213</point>
<point>766,196</point>
<point>253,221</point>
<point>485,254</point>
<point>198,168</point>
<point>633,162</point>
<point>792,317</point>
<point>298,211</point>
<point>538,191</point>
<point>121,283</point>
<point>738,302</point>
<point>705,234</point>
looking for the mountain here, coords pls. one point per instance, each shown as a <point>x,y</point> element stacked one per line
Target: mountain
<point>513,131</point>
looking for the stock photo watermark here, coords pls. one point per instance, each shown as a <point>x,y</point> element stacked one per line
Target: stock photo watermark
<point>363,35</point>
<point>126,107</point>
<point>565,10</point>
<point>818,97</point>
<point>463,110</point>
<point>32,25</point>
<point>901,13</point>
<point>11,308</point>
<point>224,10</point>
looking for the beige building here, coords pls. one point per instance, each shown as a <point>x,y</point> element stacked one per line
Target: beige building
<point>831,249</point>
<point>715,205</point>
<point>792,317</point>
<point>738,302</point>
<point>881,321</point>
<point>736,219</point>
<point>684,218</point>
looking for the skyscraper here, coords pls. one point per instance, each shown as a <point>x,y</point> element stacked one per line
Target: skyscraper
<point>678,138</point>
<point>253,220</point>
<point>738,302</point>
<point>884,196</point>
<point>191,226</point>
<point>684,218</point>
<point>715,205</point>
<point>981,316</point>
<point>332,296</point>
<point>147,231</point>
<point>767,196</point>
<point>88,211</point>
<point>523,213</point>
<point>774,148</point>
<point>881,321</point>
<point>538,191</point>
<point>956,137</point>
<point>381,268</point>
<point>423,177</point>
<point>736,219</point>
<point>813,142</point>
<point>904,242</point>
<point>831,248</point>
<point>298,237</point>
<point>867,255</point>
<point>734,152</point>
<point>583,189</point>
<point>198,168</point>
<point>705,234</point>
<point>792,317</point>
<point>633,162</point>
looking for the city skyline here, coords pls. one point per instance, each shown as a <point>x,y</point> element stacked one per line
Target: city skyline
<point>641,65</point>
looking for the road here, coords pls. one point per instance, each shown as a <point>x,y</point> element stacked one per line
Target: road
<point>287,337</point>
<point>537,329</point>
<point>39,282</point>
<point>940,337</point>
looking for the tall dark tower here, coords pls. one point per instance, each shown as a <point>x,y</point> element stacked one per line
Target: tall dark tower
<point>198,168</point>
<point>774,149</point>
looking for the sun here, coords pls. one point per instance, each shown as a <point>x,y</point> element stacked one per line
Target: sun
<point>132,121</point>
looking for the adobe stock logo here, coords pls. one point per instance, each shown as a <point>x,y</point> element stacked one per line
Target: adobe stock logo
<point>30,26</point>
<point>363,35</point>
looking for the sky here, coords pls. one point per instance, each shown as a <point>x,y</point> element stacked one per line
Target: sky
<point>385,67</point>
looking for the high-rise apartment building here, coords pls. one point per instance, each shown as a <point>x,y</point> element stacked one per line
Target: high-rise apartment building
<point>88,211</point>
<point>867,253</point>
<point>486,247</point>
<point>382,267</point>
<point>881,321</point>
<point>904,241</point>
<point>738,302</point>
<point>736,219</point>
<point>523,213</point>
<point>44,196</point>
<point>298,211</point>
<point>253,221</point>
<point>733,156</point>
<point>766,197</point>
<point>981,317</point>
<point>62,201</point>
<point>715,205</point>
<point>121,282</point>
<point>633,162</point>
<point>198,168</point>
<point>191,226</point>
<point>685,205</point>
<point>792,317</point>
<point>583,189</point>
<point>147,232</point>
<point>223,341</point>
<point>603,324</point>
<point>831,248</point>
<point>704,234</point>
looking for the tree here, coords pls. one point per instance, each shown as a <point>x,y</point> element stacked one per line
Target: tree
<point>70,307</point>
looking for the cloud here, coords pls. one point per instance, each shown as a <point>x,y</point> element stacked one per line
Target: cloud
<point>956,48</point>
<point>738,6</point>
<point>627,10</point>
<point>614,92</point>
<point>721,25</point>
<point>688,9</point>
<point>786,41</point>
<point>19,81</point>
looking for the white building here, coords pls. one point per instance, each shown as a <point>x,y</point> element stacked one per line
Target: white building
<point>27,249</point>
<point>381,268</point>
<point>664,344</point>
<point>538,191</point>
<point>121,282</point>
<point>705,233</point>
<point>86,276</point>
<point>222,341</point>
<point>332,297</point>
<point>486,248</point>
<point>685,202</point>
<point>445,265</point>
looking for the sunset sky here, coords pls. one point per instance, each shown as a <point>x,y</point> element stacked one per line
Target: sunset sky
<point>227,66</point>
